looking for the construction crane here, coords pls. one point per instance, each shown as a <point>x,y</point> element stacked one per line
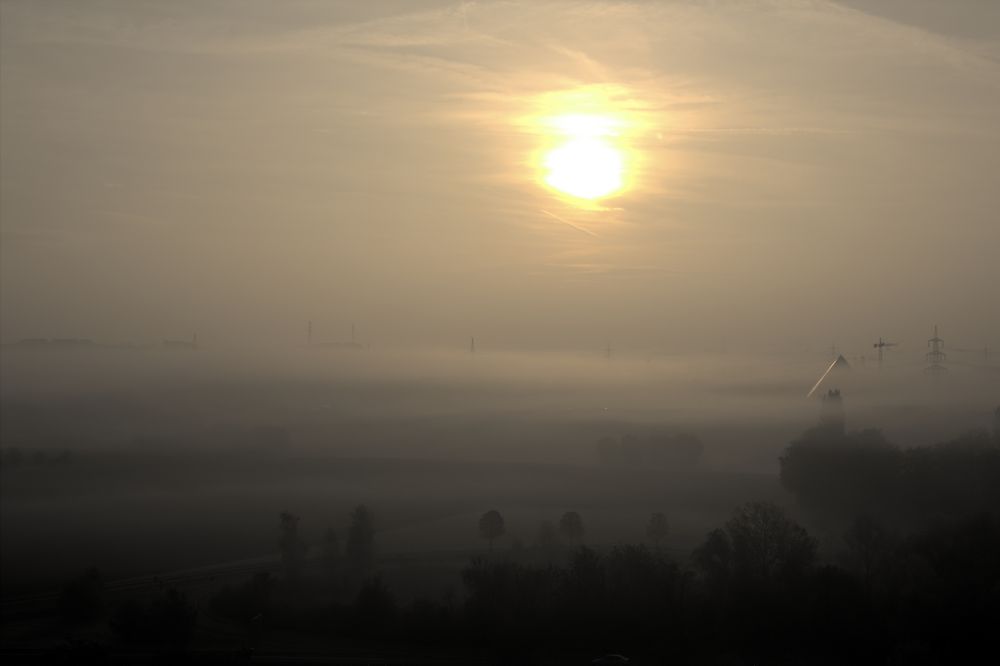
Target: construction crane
<point>881,346</point>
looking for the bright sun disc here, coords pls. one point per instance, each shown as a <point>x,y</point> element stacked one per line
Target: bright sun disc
<point>587,168</point>
<point>587,164</point>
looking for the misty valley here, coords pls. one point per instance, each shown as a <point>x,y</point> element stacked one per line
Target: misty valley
<point>520,507</point>
<point>499,332</point>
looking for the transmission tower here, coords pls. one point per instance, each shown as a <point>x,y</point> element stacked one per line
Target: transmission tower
<point>882,346</point>
<point>935,356</point>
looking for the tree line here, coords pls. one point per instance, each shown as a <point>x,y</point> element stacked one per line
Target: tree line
<point>759,588</point>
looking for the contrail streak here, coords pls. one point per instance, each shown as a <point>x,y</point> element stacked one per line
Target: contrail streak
<point>816,385</point>
<point>567,222</point>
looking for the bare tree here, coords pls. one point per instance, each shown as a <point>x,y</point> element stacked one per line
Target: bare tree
<point>571,527</point>
<point>765,542</point>
<point>870,547</point>
<point>491,526</point>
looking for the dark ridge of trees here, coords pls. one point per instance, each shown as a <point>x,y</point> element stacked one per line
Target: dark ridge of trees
<point>754,591</point>
<point>491,526</point>
<point>836,477</point>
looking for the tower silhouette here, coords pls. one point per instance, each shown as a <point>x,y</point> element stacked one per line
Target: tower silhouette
<point>936,356</point>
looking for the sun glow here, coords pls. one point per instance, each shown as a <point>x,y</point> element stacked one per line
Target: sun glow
<point>585,167</point>
<point>585,162</point>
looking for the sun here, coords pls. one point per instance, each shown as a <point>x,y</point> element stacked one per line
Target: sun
<point>585,162</point>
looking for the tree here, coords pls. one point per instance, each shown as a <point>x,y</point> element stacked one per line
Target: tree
<point>715,558</point>
<point>869,546</point>
<point>292,547</point>
<point>361,539</point>
<point>491,526</point>
<point>657,529</point>
<point>571,527</point>
<point>766,543</point>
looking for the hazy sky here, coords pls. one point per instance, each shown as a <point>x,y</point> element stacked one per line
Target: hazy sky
<point>804,172</point>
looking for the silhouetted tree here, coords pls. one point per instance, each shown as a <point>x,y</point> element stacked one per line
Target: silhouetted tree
<point>361,539</point>
<point>869,547</point>
<point>715,558</point>
<point>491,526</point>
<point>571,527</point>
<point>657,529</point>
<point>759,543</point>
<point>292,546</point>
<point>766,543</point>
